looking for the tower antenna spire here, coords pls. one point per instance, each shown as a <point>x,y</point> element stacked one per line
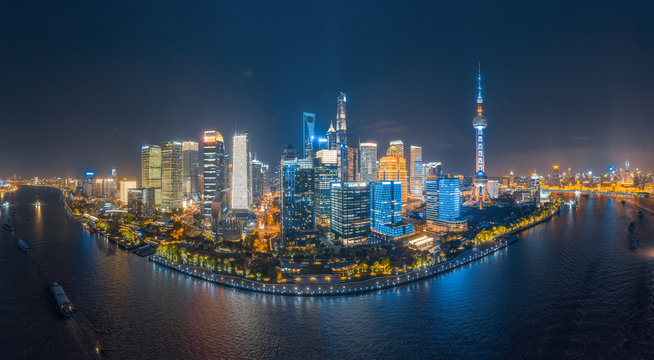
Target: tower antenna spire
<point>480,99</point>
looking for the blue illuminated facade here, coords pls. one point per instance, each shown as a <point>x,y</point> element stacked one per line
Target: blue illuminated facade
<point>350,212</point>
<point>431,197</point>
<point>298,207</point>
<point>386,209</point>
<point>449,199</point>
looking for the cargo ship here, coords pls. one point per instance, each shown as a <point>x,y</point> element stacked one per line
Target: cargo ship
<point>66,308</point>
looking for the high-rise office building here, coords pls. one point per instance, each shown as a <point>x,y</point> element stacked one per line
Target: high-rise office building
<point>191,174</point>
<point>124,187</point>
<point>298,207</point>
<point>392,167</point>
<point>368,162</point>
<point>331,138</point>
<point>480,123</point>
<point>493,188</point>
<point>325,173</point>
<point>343,156</point>
<point>171,175</point>
<point>432,169</point>
<point>399,145</point>
<point>341,123</point>
<point>386,210</point>
<point>449,199</point>
<point>214,168</point>
<point>289,153</point>
<point>241,174</point>
<point>416,171</point>
<point>350,212</point>
<point>352,163</point>
<point>431,198</point>
<point>328,156</point>
<point>308,133</point>
<point>258,180</point>
<point>534,189</point>
<point>151,170</point>
<point>140,202</point>
<point>87,184</point>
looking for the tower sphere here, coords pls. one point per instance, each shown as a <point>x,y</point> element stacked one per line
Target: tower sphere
<point>479,122</point>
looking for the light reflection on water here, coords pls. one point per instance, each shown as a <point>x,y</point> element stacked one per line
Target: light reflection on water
<point>568,288</point>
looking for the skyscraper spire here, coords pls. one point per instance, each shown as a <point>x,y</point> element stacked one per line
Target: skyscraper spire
<point>480,100</point>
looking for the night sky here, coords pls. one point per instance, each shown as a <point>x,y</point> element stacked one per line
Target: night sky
<point>83,84</point>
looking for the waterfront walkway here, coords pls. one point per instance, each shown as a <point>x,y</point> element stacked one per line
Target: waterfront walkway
<point>332,289</point>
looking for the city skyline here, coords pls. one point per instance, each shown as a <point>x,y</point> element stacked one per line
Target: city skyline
<point>535,84</point>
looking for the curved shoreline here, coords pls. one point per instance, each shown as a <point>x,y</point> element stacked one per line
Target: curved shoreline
<point>322,289</point>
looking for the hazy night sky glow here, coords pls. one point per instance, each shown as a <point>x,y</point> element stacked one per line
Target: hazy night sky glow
<point>83,84</point>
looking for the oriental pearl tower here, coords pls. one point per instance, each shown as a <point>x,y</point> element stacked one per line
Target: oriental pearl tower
<point>480,123</point>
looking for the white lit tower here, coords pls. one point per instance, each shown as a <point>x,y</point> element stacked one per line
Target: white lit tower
<point>480,123</point>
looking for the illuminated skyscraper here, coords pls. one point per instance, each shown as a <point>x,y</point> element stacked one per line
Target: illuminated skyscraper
<point>151,170</point>
<point>350,212</point>
<point>493,188</point>
<point>386,210</point>
<point>325,170</point>
<point>368,162</point>
<point>331,138</point>
<point>534,189</point>
<point>432,169</point>
<point>431,197</point>
<point>258,180</point>
<point>393,167</point>
<point>241,174</point>
<point>352,163</point>
<point>449,199</point>
<point>308,133</point>
<point>214,168</point>
<point>479,123</point>
<point>341,124</point>
<point>171,175</point>
<point>191,166</point>
<point>399,144</point>
<point>416,171</point>
<point>298,223</point>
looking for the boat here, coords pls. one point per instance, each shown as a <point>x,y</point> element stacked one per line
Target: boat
<point>7,227</point>
<point>23,244</point>
<point>640,213</point>
<point>634,243</point>
<point>622,201</point>
<point>66,307</point>
<point>632,226</point>
<point>38,203</point>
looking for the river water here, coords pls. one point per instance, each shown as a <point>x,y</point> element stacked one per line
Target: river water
<point>569,288</point>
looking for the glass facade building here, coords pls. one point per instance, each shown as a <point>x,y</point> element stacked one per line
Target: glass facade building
<point>415,171</point>
<point>171,175</point>
<point>308,134</point>
<point>325,173</point>
<point>298,207</point>
<point>431,197</point>
<point>449,199</point>
<point>191,166</point>
<point>368,162</point>
<point>213,168</point>
<point>386,209</point>
<point>350,212</point>
<point>151,170</point>
<point>241,174</point>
